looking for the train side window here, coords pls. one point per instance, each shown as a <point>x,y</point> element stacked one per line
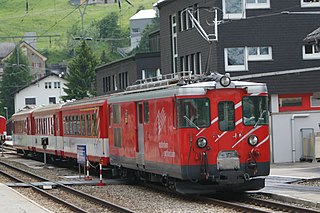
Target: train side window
<point>51,126</point>
<point>255,110</point>
<point>70,124</point>
<point>116,112</point>
<point>226,116</point>
<point>117,132</point>
<point>74,125</point>
<point>83,125</point>
<point>89,124</point>
<point>94,124</point>
<point>193,113</point>
<point>65,125</point>
<point>146,113</point>
<point>78,125</point>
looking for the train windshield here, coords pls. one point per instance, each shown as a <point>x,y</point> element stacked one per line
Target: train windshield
<point>255,110</point>
<point>193,113</point>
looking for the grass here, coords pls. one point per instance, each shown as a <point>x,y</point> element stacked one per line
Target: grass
<point>55,17</point>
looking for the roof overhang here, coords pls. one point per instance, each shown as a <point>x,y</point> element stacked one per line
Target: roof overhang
<point>313,37</point>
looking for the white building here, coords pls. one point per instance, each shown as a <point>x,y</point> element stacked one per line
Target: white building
<point>138,23</point>
<point>46,90</point>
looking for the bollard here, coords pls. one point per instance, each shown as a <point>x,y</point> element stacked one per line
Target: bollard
<point>100,182</point>
<point>88,177</point>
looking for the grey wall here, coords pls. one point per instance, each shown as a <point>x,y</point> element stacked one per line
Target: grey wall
<point>262,27</point>
<point>283,139</point>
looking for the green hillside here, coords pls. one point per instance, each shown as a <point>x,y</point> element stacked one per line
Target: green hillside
<point>55,17</point>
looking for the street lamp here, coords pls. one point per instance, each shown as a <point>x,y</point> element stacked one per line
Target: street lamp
<point>6,108</point>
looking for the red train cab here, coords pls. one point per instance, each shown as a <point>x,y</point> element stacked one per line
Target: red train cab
<point>196,136</point>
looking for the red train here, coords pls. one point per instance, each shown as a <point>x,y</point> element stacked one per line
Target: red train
<point>3,129</point>
<point>193,134</point>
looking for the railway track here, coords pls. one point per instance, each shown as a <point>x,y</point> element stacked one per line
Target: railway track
<point>72,199</point>
<point>251,204</point>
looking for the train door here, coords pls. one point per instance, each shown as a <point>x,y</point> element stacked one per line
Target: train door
<point>228,120</point>
<point>140,150</point>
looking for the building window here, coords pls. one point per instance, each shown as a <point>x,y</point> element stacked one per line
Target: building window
<point>198,65</point>
<point>289,102</point>
<point>235,59</point>
<point>106,84</point>
<point>314,101</point>
<point>310,51</point>
<point>259,53</point>
<point>123,80</point>
<point>52,100</point>
<point>47,85</point>
<point>257,4</point>
<point>233,9</point>
<point>36,65</point>
<point>187,62</point>
<point>174,43</point>
<point>30,101</point>
<point>114,81</point>
<point>56,84</point>
<point>135,30</point>
<point>310,3</point>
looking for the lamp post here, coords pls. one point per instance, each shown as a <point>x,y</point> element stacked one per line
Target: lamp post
<point>6,108</point>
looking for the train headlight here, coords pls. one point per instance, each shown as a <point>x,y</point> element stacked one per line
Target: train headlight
<point>202,142</point>
<point>225,81</point>
<point>253,140</point>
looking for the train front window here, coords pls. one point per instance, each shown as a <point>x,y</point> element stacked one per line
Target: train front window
<point>193,113</point>
<point>255,110</point>
<point>226,116</point>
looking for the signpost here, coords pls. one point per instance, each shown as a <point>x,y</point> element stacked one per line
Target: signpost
<point>44,143</point>
<point>81,156</point>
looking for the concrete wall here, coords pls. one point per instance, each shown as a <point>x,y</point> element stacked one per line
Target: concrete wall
<point>286,134</point>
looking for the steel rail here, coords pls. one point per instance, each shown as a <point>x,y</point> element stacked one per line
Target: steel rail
<point>232,205</point>
<point>43,192</point>
<point>109,205</point>
<point>278,206</point>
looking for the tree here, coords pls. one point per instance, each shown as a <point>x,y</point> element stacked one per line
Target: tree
<point>111,31</point>
<point>81,75</point>
<point>103,57</point>
<point>16,75</point>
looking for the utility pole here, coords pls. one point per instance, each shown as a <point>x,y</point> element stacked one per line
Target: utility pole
<point>82,17</point>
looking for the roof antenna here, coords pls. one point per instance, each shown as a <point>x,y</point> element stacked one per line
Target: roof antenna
<point>210,38</point>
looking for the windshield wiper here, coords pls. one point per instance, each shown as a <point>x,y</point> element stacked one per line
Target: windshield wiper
<point>191,122</point>
<point>261,115</point>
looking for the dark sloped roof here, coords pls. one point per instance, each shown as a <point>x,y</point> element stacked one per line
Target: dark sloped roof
<point>6,48</point>
<point>315,35</point>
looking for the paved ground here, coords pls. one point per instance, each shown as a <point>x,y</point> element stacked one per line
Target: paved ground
<point>281,177</point>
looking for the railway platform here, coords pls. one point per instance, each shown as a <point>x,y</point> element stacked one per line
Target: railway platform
<point>282,183</point>
<point>13,202</point>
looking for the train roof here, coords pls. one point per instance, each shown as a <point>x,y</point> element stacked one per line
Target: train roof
<point>24,112</point>
<point>183,89</point>
<point>86,101</point>
<point>52,108</point>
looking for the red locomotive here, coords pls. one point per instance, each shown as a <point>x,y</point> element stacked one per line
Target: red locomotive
<point>193,134</point>
<point>3,129</point>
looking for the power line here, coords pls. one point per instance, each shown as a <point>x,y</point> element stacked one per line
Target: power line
<point>56,23</point>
